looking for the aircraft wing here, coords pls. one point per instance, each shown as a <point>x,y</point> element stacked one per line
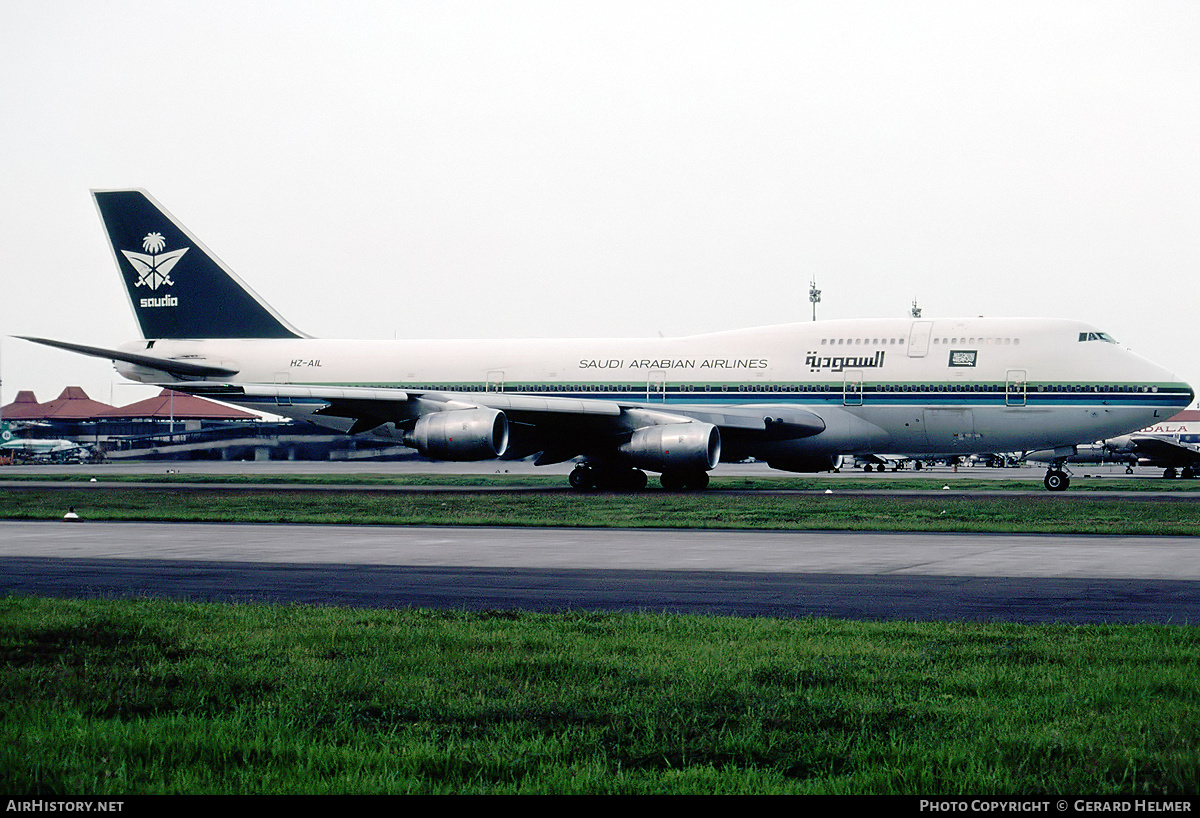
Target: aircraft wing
<point>1163,449</point>
<point>558,427</point>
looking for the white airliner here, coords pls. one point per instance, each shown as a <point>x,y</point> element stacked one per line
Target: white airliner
<point>796,396</point>
<point>40,448</point>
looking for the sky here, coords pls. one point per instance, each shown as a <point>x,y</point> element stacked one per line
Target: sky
<point>588,169</point>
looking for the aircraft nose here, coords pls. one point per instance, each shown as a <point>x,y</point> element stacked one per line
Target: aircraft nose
<point>1191,390</point>
<point>1181,386</point>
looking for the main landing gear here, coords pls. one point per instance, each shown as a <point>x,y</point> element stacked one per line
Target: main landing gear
<point>619,478</point>
<point>684,480</point>
<point>584,477</point>
<point>1056,479</point>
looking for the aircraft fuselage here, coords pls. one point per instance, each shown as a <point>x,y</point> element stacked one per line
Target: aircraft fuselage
<point>887,386</point>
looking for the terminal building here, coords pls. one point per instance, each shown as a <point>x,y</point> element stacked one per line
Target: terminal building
<point>171,426</point>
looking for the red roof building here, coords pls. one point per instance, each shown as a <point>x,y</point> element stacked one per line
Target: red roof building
<point>72,404</point>
<point>23,408</point>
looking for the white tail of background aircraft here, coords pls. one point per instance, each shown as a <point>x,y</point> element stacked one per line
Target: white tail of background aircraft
<point>797,396</point>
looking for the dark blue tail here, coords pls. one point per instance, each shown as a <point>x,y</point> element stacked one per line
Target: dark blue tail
<point>178,289</point>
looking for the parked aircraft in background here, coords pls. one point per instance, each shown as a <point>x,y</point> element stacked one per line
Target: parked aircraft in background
<point>1172,445</point>
<point>34,449</point>
<point>796,396</point>
<point>880,463</point>
<point>1090,453</point>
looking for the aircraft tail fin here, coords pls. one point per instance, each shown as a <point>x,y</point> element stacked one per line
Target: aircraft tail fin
<point>176,286</point>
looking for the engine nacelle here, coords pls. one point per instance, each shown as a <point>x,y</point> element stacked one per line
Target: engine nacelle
<point>675,446</point>
<point>814,463</point>
<point>460,434</point>
<point>1121,444</point>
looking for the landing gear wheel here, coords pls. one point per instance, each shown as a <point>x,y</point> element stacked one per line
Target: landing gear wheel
<point>1056,480</point>
<point>582,478</point>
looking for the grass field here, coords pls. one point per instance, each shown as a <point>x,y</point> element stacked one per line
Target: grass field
<point>142,696</point>
<point>162,697</point>
<point>771,481</point>
<point>1039,513</point>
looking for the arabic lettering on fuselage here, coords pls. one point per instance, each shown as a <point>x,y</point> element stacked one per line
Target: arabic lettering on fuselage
<point>837,363</point>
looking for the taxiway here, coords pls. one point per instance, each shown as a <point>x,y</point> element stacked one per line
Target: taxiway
<point>860,575</point>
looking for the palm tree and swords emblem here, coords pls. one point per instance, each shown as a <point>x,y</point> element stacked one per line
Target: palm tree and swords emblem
<point>154,269</point>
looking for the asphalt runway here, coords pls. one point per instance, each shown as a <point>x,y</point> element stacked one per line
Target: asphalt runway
<point>853,575</point>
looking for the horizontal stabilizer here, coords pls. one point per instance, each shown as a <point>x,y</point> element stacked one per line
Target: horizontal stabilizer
<point>182,369</point>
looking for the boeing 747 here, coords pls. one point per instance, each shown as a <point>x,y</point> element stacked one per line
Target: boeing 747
<point>797,396</point>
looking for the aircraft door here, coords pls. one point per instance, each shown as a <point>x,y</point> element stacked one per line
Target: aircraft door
<point>1014,391</point>
<point>852,388</point>
<point>495,381</point>
<point>918,339</point>
<point>656,386</point>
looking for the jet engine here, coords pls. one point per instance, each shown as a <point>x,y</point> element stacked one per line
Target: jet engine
<point>460,434</point>
<point>674,447</point>
<point>1122,444</point>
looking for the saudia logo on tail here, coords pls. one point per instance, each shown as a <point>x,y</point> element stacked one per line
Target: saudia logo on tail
<point>154,270</point>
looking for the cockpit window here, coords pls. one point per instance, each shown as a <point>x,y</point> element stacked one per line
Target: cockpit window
<point>1097,336</point>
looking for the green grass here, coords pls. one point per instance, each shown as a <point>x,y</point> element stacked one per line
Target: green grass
<point>777,482</point>
<point>128,697</point>
<point>1041,513</point>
